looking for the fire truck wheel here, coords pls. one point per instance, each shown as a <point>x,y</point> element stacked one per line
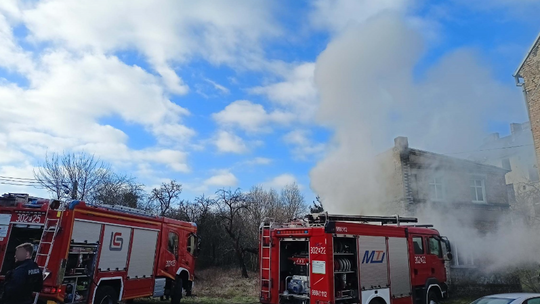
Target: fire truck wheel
<point>106,295</point>
<point>433,298</point>
<point>176,292</point>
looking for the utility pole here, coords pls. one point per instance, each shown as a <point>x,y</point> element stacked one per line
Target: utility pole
<point>74,190</point>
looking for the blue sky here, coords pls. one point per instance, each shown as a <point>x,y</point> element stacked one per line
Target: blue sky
<point>219,95</point>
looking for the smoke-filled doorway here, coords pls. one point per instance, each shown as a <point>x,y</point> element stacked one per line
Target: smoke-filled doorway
<point>20,234</point>
<point>294,271</point>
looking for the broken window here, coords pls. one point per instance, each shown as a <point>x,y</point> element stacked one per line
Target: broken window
<point>418,245</point>
<point>478,189</point>
<point>461,257</point>
<point>436,189</point>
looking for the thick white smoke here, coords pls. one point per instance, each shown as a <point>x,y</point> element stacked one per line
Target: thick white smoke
<point>370,94</point>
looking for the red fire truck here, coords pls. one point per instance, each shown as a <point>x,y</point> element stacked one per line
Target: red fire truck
<point>104,254</point>
<point>335,259</point>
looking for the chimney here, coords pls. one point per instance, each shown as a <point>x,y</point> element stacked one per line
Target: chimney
<point>515,128</point>
<point>491,137</point>
<point>401,143</point>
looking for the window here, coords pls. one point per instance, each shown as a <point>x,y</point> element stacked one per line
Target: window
<point>436,189</point>
<point>173,243</point>
<point>418,245</point>
<point>533,301</point>
<point>191,244</point>
<point>435,247</point>
<point>533,174</point>
<point>462,258</point>
<point>478,189</point>
<point>506,164</point>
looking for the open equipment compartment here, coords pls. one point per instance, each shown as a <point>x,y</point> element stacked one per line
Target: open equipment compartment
<point>346,269</point>
<point>294,271</point>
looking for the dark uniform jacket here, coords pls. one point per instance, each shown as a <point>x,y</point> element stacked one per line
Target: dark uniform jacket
<point>21,282</point>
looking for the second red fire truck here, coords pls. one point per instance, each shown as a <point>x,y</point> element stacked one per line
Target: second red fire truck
<point>99,254</point>
<point>333,259</point>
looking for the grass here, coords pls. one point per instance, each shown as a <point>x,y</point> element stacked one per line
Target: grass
<point>217,286</point>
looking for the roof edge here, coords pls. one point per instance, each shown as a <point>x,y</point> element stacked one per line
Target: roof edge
<point>536,41</point>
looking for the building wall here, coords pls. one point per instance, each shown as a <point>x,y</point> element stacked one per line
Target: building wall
<point>391,180</point>
<point>530,72</point>
<point>457,186</point>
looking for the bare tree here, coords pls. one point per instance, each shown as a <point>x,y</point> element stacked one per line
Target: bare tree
<point>119,190</point>
<point>293,201</point>
<point>196,211</point>
<point>232,204</point>
<point>75,174</point>
<point>166,195</point>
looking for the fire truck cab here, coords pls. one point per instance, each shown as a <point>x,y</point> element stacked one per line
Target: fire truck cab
<point>348,259</point>
<point>106,254</point>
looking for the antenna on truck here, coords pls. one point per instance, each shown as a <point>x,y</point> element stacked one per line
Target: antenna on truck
<point>324,217</point>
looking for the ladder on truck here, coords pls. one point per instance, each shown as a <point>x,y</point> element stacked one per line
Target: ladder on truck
<point>265,252</point>
<point>50,230</point>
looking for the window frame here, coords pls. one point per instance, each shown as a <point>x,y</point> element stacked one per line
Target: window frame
<point>421,244</point>
<point>174,250</point>
<point>439,254</point>
<point>505,162</point>
<point>469,258</point>
<point>534,298</point>
<point>191,244</point>
<point>433,183</point>
<point>472,185</point>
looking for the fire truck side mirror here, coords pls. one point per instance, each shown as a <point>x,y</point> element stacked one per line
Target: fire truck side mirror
<point>448,257</point>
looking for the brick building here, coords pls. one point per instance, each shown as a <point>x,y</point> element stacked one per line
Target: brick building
<point>527,76</point>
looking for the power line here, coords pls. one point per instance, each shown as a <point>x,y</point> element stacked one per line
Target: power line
<point>20,178</point>
<point>20,184</point>
<point>481,150</point>
<point>18,181</point>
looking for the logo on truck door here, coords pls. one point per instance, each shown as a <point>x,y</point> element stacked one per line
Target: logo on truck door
<point>373,257</point>
<point>116,241</point>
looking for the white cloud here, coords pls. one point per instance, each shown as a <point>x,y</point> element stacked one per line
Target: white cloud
<point>217,86</point>
<point>12,56</point>
<point>229,142</point>
<point>165,32</point>
<point>223,178</point>
<point>280,181</point>
<point>69,95</point>
<point>250,117</point>
<point>303,147</point>
<point>336,15</point>
<point>259,161</point>
<point>297,92</point>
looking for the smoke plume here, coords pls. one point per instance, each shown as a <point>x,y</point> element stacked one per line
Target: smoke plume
<point>372,90</point>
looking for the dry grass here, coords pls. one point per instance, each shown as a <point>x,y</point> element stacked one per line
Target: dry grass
<point>220,286</point>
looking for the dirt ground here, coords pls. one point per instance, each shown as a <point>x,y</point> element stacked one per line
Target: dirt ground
<point>215,286</point>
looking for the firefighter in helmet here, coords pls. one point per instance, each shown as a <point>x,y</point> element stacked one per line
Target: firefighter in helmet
<point>24,280</point>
